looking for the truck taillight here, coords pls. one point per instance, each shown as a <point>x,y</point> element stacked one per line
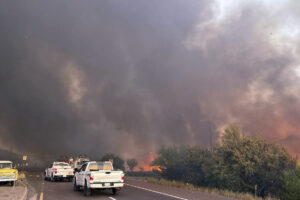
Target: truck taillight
<point>55,171</point>
<point>91,178</point>
<point>123,178</point>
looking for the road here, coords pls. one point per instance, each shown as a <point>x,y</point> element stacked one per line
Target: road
<point>133,190</point>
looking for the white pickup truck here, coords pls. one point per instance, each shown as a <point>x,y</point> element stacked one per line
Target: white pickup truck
<point>59,171</point>
<point>98,175</point>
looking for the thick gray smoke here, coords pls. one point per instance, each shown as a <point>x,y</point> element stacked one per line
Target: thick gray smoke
<point>128,76</point>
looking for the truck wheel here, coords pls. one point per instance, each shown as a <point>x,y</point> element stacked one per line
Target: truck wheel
<point>76,187</point>
<point>86,191</point>
<point>11,183</point>
<point>52,178</point>
<point>115,191</point>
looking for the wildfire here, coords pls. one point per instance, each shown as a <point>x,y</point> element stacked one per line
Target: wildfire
<point>156,168</point>
<point>151,168</point>
<point>146,166</point>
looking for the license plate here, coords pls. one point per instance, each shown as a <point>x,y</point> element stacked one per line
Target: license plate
<point>107,184</point>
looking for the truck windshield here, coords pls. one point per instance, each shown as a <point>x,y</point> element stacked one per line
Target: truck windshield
<point>61,164</point>
<point>100,166</point>
<point>81,162</point>
<point>5,165</point>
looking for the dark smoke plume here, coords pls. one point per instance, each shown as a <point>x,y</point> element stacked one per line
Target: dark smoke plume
<point>128,76</point>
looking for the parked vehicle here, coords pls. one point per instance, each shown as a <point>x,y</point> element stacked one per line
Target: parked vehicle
<point>59,171</point>
<point>98,175</point>
<point>8,173</point>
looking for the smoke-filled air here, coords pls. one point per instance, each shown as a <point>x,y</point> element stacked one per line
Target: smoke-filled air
<point>128,76</point>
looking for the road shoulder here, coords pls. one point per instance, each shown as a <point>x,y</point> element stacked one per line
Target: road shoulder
<point>18,191</point>
<point>178,192</point>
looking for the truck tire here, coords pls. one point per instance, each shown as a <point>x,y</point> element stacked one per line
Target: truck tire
<point>86,191</point>
<point>52,178</point>
<point>76,187</point>
<point>115,191</point>
<point>11,183</point>
<point>46,178</point>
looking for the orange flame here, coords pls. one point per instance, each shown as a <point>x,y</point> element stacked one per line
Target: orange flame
<point>146,165</point>
<point>157,168</point>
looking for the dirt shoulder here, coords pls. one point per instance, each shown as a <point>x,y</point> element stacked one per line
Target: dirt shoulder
<point>18,191</point>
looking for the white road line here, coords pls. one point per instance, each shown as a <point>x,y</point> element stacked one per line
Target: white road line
<point>112,198</point>
<point>176,197</point>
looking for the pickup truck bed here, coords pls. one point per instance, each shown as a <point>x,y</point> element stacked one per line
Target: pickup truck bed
<point>107,179</point>
<point>59,171</point>
<point>98,175</point>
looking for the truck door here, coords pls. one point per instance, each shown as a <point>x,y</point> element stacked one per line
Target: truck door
<point>48,171</point>
<point>81,173</point>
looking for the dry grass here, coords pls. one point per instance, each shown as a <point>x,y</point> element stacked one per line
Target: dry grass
<point>227,193</point>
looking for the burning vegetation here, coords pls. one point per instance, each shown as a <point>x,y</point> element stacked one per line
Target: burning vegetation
<point>146,165</point>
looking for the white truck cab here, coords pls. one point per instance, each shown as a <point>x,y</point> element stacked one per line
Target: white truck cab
<point>98,175</point>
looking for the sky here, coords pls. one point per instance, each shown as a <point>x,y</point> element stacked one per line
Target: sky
<point>125,76</point>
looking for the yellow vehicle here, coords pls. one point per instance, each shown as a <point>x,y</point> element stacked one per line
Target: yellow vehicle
<point>8,173</point>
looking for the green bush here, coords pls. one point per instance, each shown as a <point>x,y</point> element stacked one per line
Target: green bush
<point>239,163</point>
<point>245,163</point>
<point>291,185</point>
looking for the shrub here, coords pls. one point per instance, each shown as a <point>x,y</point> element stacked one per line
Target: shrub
<point>238,163</point>
<point>291,185</point>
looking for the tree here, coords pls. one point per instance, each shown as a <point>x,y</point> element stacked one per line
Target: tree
<point>132,163</point>
<point>171,159</point>
<point>244,163</point>
<point>188,164</point>
<point>199,163</point>
<point>117,161</point>
<point>239,163</point>
<point>291,185</point>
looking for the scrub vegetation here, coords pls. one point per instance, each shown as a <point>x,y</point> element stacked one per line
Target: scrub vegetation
<point>237,164</point>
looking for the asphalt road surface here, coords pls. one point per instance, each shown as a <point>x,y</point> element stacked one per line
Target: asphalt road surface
<point>39,189</point>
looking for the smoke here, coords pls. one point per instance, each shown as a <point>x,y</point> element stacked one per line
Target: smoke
<point>128,76</point>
